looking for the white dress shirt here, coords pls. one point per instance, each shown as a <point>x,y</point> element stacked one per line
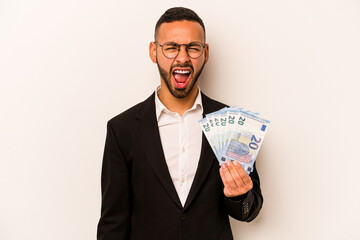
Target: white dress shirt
<point>181,138</point>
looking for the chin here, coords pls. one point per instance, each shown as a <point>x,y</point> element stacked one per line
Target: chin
<point>182,92</point>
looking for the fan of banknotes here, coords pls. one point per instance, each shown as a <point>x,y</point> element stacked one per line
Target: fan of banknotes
<point>235,134</point>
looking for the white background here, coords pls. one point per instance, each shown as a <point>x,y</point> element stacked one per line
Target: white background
<point>66,67</point>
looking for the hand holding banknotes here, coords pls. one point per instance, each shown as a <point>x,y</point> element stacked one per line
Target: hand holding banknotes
<point>236,181</point>
<point>235,136</point>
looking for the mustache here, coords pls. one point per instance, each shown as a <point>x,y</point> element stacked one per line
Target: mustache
<point>182,65</point>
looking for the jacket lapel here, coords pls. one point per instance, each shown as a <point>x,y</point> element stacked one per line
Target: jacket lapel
<point>149,137</point>
<point>205,162</point>
<point>207,157</point>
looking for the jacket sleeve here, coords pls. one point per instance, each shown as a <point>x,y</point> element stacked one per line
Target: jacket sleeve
<point>114,223</point>
<point>247,206</point>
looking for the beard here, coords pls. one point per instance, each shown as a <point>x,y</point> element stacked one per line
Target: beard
<point>179,92</point>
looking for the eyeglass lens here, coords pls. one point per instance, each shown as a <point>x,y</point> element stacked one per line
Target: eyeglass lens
<point>171,49</point>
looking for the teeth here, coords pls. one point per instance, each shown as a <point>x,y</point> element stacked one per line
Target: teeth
<point>182,71</point>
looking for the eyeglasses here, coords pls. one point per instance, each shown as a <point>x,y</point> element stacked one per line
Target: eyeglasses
<point>172,49</point>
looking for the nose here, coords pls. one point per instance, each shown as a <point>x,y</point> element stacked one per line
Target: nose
<point>182,56</point>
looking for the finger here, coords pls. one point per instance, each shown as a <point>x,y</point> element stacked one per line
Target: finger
<point>235,173</point>
<point>223,178</point>
<point>227,189</point>
<point>229,177</point>
<point>244,176</point>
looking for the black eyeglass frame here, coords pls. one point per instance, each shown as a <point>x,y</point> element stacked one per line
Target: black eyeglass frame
<point>178,47</point>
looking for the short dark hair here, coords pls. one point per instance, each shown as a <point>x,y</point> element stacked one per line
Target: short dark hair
<point>178,14</point>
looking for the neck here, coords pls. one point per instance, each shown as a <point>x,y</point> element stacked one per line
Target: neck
<point>179,105</point>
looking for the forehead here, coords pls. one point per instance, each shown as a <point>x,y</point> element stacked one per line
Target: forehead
<point>180,32</point>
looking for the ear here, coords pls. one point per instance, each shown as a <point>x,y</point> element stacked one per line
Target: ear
<point>206,53</point>
<point>152,52</point>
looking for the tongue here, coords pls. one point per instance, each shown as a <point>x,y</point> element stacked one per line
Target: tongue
<point>180,77</point>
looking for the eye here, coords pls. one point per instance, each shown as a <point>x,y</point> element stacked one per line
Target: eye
<point>195,47</point>
<point>170,46</point>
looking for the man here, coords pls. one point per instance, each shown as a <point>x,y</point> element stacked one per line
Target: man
<point>160,178</point>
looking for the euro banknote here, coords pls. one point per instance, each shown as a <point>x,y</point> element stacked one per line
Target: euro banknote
<point>235,134</point>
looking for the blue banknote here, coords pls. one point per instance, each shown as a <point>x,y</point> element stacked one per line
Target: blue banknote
<point>235,134</point>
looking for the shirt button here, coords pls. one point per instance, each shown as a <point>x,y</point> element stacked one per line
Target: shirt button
<point>183,216</point>
<point>182,180</point>
<point>182,120</point>
<point>183,149</point>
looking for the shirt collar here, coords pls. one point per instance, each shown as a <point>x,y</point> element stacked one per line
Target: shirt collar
<point>160,107</point>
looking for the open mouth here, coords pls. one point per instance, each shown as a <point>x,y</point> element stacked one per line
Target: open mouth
<point>181,77</point>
